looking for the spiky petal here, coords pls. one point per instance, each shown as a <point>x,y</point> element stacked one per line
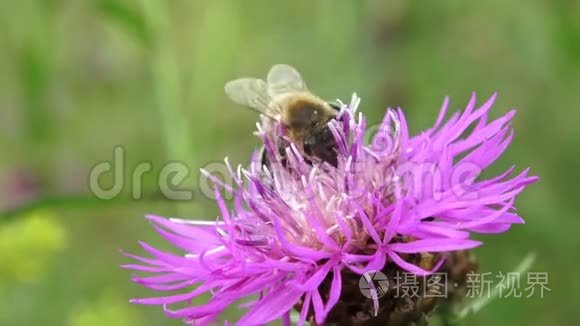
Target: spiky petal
<point>294,225</point>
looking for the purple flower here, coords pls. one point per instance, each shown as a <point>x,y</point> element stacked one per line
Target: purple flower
<point>294,225</point>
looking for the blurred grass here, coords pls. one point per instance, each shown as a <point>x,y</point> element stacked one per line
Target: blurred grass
<point>27,245</point>
<point>109,309</point>
<point>79,77</point>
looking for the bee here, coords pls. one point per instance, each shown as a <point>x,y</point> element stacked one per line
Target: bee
<point>284,99</point>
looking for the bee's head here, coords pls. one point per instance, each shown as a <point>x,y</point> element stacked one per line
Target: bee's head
<point>304,116</point>
<point>307,113</point>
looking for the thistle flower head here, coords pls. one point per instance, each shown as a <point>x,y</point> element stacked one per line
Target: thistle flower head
<point>298,223</point>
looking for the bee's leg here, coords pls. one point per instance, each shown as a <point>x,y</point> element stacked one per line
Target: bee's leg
<point>264,157</point>
<point>282,145</point>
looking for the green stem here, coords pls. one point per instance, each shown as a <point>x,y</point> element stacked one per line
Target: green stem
<point>168,89</point>
<point>476,305</point>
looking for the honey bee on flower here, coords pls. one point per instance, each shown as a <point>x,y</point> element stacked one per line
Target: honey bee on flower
<point>299,236</point>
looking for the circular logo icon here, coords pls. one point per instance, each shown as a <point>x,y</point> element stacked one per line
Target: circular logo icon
<point>373,284</point>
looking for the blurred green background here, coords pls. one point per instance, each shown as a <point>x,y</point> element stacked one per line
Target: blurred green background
<point>80,77</point>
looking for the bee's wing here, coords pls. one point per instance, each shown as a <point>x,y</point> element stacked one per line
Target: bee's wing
<point>283,78</point>
<point>250,92</point>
